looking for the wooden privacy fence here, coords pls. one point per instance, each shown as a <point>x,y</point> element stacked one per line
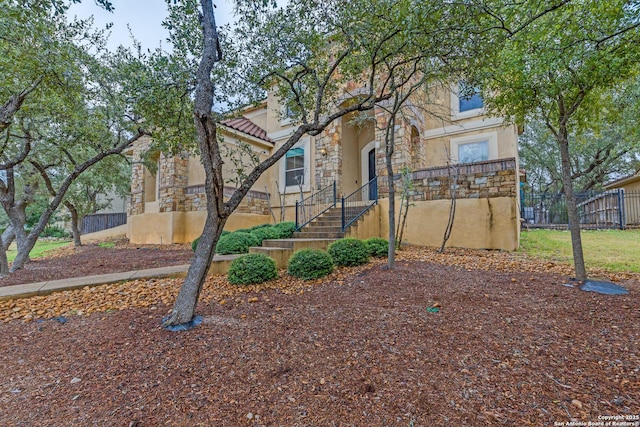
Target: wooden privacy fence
<point>99,222</point>
<point>597,210</point>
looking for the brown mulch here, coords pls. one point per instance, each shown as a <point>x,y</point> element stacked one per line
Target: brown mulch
<point>91,259</point>
<point>510,345</point>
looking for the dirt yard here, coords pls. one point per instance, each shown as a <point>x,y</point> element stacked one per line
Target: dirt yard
<point>472,338</point>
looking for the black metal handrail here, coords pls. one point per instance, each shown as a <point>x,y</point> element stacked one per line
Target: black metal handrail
<point>357,203</point>
<point>315,205</point>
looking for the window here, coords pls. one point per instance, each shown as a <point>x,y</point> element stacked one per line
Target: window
<point>474,148</point>
<point>294,167</point>
<point>473,152</point>
<point>466,101</point>
<point>469,99</point>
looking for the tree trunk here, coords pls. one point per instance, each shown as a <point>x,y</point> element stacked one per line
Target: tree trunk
<point>184,307</point>
<point>75,222</point>
<point>7,238</point>
<point>389,149</point>
<point>572,208</point>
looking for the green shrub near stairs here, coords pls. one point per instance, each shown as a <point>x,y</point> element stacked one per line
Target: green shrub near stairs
<point>285,229</point>
<point>251,269</point>
<point>194,244</point>
<point>377,246</point>
<point>348,252</point>
<point>236,243</point>
<point>263,233</point>
<point>310,264</point>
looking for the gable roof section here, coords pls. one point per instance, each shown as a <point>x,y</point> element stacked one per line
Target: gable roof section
<point>622,181</point>
<point>244,125</point>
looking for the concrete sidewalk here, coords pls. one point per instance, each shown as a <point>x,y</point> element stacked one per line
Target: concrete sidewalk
<point>219,265</point>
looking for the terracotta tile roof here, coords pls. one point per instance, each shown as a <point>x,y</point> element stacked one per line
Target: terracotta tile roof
<point>245,125</point>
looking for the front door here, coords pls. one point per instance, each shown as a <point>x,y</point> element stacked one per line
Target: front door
<point>373,188</point>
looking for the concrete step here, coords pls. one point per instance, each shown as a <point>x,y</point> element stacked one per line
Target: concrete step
<point>317,235</point>
<point>280,255</point>
<point>321,228</point>
<point>299,243</point>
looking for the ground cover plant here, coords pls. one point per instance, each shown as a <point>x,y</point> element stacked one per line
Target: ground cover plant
<point>616,250</point>
<point>510,345</point>
<point>41,248</point>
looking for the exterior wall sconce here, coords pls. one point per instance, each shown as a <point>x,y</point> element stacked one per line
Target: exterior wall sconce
<point>323,152</point>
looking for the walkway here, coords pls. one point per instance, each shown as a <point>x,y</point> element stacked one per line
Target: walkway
<point>219,265</point>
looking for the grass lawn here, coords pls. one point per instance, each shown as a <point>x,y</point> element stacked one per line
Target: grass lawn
<point>616,250</point>
<point>39,249</point>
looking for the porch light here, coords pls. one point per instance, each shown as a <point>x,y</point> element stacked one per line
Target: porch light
<point>323,152</point>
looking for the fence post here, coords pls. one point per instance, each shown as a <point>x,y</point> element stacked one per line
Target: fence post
<point>621,208</point>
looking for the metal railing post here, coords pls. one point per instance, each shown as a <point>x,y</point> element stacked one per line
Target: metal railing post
<point>621,208</point>
<point>297,222</point>
<point>343,217</point>
<point>334,194</point>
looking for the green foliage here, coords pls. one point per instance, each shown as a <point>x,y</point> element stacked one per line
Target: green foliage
<point>107,245</point>
<point>614,250</point>
<point>263,233</point>
<point>256,227</point>
<point>194,244</point>
<point>349,252</point>
<point>235,243</point>
<point>285,229</point>
<point>53,231</point>
<point>377,246</point>
<point>252,268</point>
<point>309,264</point>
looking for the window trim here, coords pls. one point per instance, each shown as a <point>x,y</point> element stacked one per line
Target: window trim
<point>490,137</point>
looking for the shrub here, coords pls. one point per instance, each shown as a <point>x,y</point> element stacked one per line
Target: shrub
<point>194,244</point>
<point>377,246</point>
<point>259,226</point>
<point>285,229</point>
<point>252,268</point>
<point>309,264</point>
<point>348,252</point>
<point>265,233</point>
<point>235,243</point>
<point>53,231</point>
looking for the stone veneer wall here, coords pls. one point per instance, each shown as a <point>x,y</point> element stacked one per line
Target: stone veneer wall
<point>255,202</point>
<point>494,178</point>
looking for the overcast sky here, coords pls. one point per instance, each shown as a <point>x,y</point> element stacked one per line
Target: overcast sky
<point>144,17</point>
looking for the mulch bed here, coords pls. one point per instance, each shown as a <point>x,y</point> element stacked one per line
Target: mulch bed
<point>505,347</point>
<point>91,259</point>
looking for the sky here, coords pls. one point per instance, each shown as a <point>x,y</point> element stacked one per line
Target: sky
<point>144,17</point>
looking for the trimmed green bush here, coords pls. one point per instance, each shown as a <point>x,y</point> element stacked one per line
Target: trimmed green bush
<point>235,243</point>
<point>194,244</point>
<point>259,226</point>
<point>53,231</point>
<point>285,229</point>
<point>252,268</point>
<point>348,252</point>
<point>265,233</point>
<point>309,264</point>
<point>377,247</point>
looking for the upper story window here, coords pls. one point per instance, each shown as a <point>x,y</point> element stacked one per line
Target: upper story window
<point>294,167</point>
<point>469,99</point>
<point>466,101</point>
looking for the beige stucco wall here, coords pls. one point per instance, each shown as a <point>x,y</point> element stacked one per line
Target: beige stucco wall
<point>490,223</point>
<point>181,227</point>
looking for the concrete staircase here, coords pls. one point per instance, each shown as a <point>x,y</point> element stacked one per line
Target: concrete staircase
<point>318,234</point>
